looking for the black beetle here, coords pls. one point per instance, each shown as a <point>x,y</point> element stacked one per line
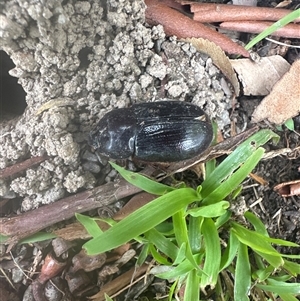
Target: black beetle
<point>163,131</point>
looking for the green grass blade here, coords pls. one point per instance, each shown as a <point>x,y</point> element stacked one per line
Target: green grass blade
<point>230,251</point>
<point>268,239</point>
<point>180,227</point>
<point>225,188</point>
<point>143,254</point>
<point>158,257</point>
<point>210,166</point>
<point>107,298</point>
<point>288,297</point>
<point>280,23</point>
<point>142,220</point>
<point>212,254</point>
<point>180,230</point>
<point>263,274</point>
<point>194,233</point>
<point>235,160</point>
<point>162,243</point>
<point>279,287</point>
<point>175,272</point>
<point>192,291</point>
<point>253,240</point>
<point>274,260</point>
<point>39,236</point>
<point>242,279</point>
<point>141,181</point>
<point>213,210</point>
<point>3,238</point>
<point>89,224</point>
<point>258,243</point>
<point>181,254</point>
<point>172,290</point>
<point>257,223</point>
<point>290,124</point>
<point>292,267</point>
<point>223,219</point>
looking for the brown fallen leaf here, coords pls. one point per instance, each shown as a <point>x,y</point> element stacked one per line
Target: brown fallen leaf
<point>284,100</point>
<point>77,282</point>
<point>284,3</point>
<point>219,58</point>
<point>53,103</point>
<point>288,188</point>
<point>133,204</point>
<point>88,263</point>
<point>76,231</point>
<point>50,268</point>
<point>258,78</point>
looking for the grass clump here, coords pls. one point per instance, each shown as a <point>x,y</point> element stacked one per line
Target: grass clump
<point>196,241</point>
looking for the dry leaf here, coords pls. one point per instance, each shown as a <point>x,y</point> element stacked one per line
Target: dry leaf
<point>283,3</point>
<point>88,263</point>
<point>77,231</point>
<point>258,78</point>
<point>133,204</point>
<point>114,286</point>
<point>219,58</point>
<point>53,103</point>
<point>284,100</point>
<point>288,188</point>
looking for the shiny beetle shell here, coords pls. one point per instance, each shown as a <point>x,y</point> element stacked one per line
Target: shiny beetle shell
<point>164,131</point>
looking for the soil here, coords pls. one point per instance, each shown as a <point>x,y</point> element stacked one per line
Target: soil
<point>70,62</point>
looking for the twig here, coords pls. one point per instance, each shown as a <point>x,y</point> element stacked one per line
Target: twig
<point>8,279</point>
<point>119,282</point>
<point>211,12</point>
<point>288,31</point>
<point>282,44</point>
<point>18,167</point>
<point>33,221</point>
<point>176,23</point>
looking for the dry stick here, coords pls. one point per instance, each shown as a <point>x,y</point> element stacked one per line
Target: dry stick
<point>18,167</point>
<point>31,222</point>
<point>118,283</point>
<point>288,31</point>
<point>210,12</point>
<point>175,23</point>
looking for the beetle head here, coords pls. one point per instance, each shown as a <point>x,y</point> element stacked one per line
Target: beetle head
<point>114,135</point>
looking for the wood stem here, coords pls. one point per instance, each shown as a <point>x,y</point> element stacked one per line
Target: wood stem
<point>288,31</point>
<point>177,24</point>
<point>211,12</point>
